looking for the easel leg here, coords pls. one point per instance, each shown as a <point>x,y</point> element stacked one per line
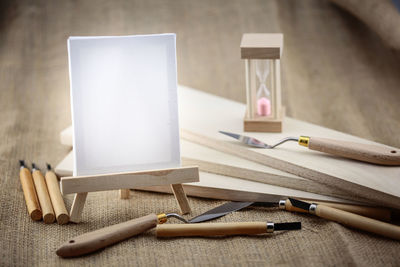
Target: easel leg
<point>180,196</point>
<point>124,193</point>
<point>77,207</point>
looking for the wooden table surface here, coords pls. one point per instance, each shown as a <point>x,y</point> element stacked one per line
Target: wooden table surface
<point>336,73</point>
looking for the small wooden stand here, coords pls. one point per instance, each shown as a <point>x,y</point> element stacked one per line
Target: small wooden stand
<point>262,53</point>
<point>81,185</point>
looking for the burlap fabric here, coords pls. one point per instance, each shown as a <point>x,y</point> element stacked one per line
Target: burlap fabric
<point>337,74</point>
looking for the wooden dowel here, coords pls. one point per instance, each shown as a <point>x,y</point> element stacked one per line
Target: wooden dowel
<point>43,195</point>
<point>358,222</point>
<point>31,199</point>
<point>56,198</point>
<point>211,229</point>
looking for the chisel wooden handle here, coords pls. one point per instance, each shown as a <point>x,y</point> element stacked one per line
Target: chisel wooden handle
<point>56,198</point>
<point>44,198</point>
<point>104,237</point>
<point>31,199</point>
<point>211,229</point>
<point>363,152</point>
<point>358,222</point>
<point>378,213</point>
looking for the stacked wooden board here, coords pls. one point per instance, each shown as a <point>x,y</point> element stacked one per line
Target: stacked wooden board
<point>232,171</point>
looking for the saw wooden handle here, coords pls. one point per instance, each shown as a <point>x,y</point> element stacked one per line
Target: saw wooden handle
<point>211,229</point>
<point>378,213</point>
<point>31,199</point>
<point>358,222</point>
<point>104,237</point>
<point>363,152</point>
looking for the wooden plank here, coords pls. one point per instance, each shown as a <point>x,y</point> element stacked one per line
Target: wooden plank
<point>268,178</point>
<point>358,179</point>
<point>228,188</point>
<point>113,181</point>
<point>351,189</point>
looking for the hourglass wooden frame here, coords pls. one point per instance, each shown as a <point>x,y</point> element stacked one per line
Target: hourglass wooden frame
<point>263,49</point>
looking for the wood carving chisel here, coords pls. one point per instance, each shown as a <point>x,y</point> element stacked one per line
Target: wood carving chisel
<point>31,199</point>
<point>55,196</point>
<point>43,195</point>
<point>101,238</point>
<point>283,203</point>
<point>349,219</point>
<point>382,155</point>
<point>223,229</point>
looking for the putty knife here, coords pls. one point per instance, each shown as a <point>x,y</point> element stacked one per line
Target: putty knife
<point>381,155</point>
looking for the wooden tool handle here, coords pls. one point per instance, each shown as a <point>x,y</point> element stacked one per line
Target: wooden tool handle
<point>363,152</point>
<point>381,214</point>
<point>44,198</point>
<point>101,238</point>
<point>211,229</point>
<point>56,198</point>
<point>31,199</point>
<point>358,222</point>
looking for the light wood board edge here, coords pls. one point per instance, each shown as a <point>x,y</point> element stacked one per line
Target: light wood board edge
<point>349,188</point>
<point>224,194</point>
<point>269,178</point>
<point>116,181</point>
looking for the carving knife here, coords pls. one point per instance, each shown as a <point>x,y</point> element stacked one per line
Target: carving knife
<point>382,155</point>
<point>283,203</point>
<point>349,219</point>
<point>101,238</point>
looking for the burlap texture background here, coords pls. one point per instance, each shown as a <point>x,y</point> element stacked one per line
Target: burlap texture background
<point>337,73</point>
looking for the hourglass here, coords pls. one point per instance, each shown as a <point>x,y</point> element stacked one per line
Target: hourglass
<point>262,53</point>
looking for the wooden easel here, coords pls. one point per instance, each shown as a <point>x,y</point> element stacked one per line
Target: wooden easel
<point>81,185</point>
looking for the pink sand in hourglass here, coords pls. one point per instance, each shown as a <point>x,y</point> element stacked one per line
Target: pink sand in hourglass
<point>263,106</point>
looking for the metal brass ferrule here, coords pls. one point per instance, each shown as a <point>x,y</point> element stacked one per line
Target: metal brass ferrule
<point>313,208</point>
<point>270,227</point>
<point>282,204</point>
<point>304,140</point>
<point>162,218</point>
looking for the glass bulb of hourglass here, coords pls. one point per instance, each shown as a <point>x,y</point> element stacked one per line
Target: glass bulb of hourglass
<point>263,106</point>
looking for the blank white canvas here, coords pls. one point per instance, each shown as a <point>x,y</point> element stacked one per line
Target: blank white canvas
<point>124,103</point>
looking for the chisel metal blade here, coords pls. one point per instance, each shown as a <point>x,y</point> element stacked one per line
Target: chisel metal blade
<point>300,204</point>
<point>220,211</point>
<point>287,226</point>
